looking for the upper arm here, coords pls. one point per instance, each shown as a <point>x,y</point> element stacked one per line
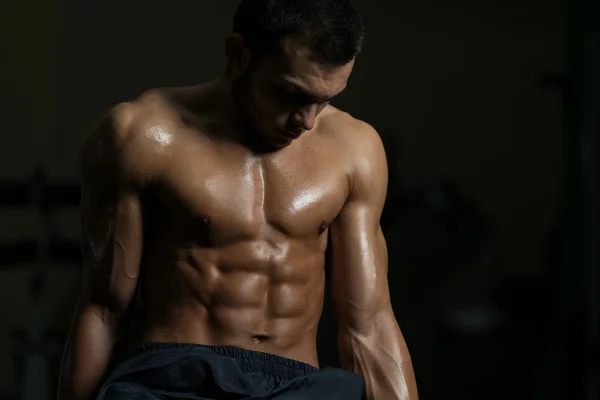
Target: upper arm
<point>111,213</point>
<point>358,256</point>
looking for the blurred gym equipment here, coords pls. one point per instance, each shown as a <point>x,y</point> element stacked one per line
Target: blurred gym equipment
<point>44,198</point>
<point>36,345</point>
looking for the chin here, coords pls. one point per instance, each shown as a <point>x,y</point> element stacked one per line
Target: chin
<point>278,141</point>
<point>270,140</point>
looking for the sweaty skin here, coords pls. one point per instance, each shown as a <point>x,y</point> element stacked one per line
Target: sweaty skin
<point>227,243</point>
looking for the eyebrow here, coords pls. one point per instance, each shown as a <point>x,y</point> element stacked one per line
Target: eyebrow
<point>306,93</point>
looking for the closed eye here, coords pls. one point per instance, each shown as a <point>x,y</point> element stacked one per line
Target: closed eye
<point>300,96</point>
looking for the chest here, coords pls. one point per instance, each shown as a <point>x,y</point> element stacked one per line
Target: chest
<point>236,196</point>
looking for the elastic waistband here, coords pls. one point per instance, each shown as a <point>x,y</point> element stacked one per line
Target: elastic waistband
<point>249,360</point>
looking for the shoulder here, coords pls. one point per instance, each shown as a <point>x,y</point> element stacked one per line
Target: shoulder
<point>362,147</point>
<point>356,137</point>
<point>127,138</point>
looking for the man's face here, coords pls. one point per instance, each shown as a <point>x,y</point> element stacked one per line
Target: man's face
<point>282,95</point>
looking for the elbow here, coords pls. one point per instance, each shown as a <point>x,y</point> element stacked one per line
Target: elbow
<point>369,330</point>
<point>377,337</point>
<point>367,322</point>
<point>90,314</point>
<point>109,301</point>
<point>104,309</point>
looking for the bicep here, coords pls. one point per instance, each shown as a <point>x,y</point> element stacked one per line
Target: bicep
<point>111,228</point>
<point>111,249</point>
<point>358,272</point>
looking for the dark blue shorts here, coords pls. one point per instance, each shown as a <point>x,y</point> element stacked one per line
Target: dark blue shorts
<point>198,372</point>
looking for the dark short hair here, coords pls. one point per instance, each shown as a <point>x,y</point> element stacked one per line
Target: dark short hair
<point>334,28</point>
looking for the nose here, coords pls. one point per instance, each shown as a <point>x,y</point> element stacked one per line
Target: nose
<point>306,116</point>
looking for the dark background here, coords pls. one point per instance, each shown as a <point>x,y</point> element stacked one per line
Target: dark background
<point>489,112</point>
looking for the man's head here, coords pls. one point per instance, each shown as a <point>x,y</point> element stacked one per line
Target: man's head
<point>288,58</point>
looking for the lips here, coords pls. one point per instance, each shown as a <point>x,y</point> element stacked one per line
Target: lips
<point>291,135</point>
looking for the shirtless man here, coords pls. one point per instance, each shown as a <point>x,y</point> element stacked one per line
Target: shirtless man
<point>219,202</point>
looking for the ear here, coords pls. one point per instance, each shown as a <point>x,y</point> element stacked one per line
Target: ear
<point>238,54</point>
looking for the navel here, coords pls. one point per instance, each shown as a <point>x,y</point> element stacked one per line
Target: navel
<point>260,339</point>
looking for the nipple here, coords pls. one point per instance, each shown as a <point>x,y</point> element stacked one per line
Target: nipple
<point>323,227</point>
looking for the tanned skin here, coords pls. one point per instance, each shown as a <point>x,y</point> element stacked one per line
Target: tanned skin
<point>223,220</point>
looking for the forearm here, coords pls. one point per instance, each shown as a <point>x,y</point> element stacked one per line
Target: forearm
<point>380,356</point>
<point>87,353</point>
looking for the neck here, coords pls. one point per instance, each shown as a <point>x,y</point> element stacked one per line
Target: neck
<point>228,102</point>
<point>231,94</point>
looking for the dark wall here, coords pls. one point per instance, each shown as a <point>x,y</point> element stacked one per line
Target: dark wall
<point>27,71</point>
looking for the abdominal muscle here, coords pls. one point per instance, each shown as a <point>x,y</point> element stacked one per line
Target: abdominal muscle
<point>240,295</point>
